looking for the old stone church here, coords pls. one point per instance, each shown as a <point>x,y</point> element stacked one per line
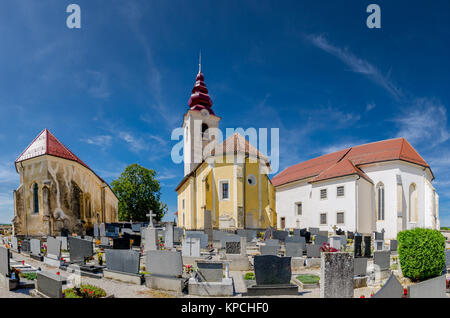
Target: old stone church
<point>58,192</point>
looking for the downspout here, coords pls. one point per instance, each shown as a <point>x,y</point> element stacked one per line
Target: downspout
<point>195,200</point>
<point>356,204</point>
<point>24,203</point>
<point>244,178</point>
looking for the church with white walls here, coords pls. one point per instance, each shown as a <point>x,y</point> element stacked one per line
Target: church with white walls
<point>384,185</point>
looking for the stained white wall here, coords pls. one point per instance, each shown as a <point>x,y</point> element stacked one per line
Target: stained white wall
<point>365,196</point>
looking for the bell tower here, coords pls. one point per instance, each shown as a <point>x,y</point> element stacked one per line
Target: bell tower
<point>198,119</point>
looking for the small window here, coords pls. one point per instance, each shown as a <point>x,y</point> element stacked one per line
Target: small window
<point>183,203</point>
<point>323,218</point>
<point>323,194</point>
<point>205,133</point>
<point>283,222</point>
<point>225,190</point>
<point>36,198</point>
<point>340,218</point>
<point>251,180</point>
<point>340,191</point>
<point>299,208</point>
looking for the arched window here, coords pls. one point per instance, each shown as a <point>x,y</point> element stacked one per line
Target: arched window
<point>380,202</point>
<point>205,134</point>
<point>36,198</point>
<point>412,203</point>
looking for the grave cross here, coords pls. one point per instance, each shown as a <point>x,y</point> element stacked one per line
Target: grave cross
<point>150,215</point>
<point>334,229</point>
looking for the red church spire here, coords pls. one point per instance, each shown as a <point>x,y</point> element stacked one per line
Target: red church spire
<point>200,98</point>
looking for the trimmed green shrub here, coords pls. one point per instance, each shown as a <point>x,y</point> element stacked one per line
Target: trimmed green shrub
<point>421,253</point>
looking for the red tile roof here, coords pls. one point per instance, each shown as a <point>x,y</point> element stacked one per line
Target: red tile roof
<point>346,162</point>
<point>47,144</point>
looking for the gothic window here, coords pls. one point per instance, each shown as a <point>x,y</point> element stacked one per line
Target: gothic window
<point>412,203</point>
<point>380,202</point>
<point>36,198</point>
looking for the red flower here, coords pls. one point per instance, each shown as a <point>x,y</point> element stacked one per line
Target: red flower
<point>405,291</point>
<point>57,273</point>
<point>362,296</point>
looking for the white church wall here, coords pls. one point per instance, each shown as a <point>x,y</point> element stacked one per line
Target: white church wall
<point>313,206</point>
<point>366,218</point>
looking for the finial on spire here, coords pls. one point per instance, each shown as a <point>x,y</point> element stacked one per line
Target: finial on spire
<point>200,62</point>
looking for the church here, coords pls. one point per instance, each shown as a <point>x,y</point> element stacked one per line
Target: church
<point>226,184</point>
<point>58,193</point>
<point>381,186</point>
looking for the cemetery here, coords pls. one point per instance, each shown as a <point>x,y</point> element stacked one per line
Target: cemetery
<point>170,262</point>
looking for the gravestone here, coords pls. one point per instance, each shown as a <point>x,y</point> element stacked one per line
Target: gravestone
<point>233,248</point>
<point>53,248</point>
<point>314,230</point>
<point>121,243</point>
<point>102,230</point>
<point>350,235</point>
<point>320,240</point>
<point>358,246</point>
<point>64,245</point>
<point>136,227</point>
<point>379,236</point>
<point>249,234</point>
<point>4,261</point>
<point>430,288</point>
<point>49,284</point>
<point>80,249</point>
<point>447,259</point>
<point>280,235</point>
<point>268,249</point>
<point>294,250</point>
<point>219,235</point>
<point>307,235</point>
<point>312,251</point>
<point>202,236</point>
<point>382,259</point>
<point>191,247</point>
<point>35,246</point>
<point>272,242</point>
<point>25,246</point>
<point>297,239</point>
<point>177,235</point>
<point>323,233</point>
<point>14,244</point>
<point>360,266</point>
<point>378,245</point>
<point>168,240</point>
<point>209,271</point>
<point>391,289</point>
<point>393,245</point>
<point>336,277</point>
<point>229,238</point>
<point>151,239</point>
<point>88,238</point>
<point>164,263</point>
<point>335,242</point>
<point>367,246</point>
<point>270,270</point>
<point>96,230</point>
<point>135,238</point>
<point>125,261</point>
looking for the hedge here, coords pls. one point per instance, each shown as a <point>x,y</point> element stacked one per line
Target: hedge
<point>421,253</point>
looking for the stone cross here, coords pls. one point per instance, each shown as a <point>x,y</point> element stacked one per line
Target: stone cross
<point>150,215</point>
<point>334,229</point>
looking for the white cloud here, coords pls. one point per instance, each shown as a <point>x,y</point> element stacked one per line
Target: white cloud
<point>101,141</point>
<point>136,144</point>
<point>370,106</point>
<point>356,64</point>
<point>423,122</point>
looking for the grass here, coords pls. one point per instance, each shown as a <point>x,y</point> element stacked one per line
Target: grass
<point>84,291</point>
<point>308,278</point>
<point>249,276</point>
<point>29,276</point>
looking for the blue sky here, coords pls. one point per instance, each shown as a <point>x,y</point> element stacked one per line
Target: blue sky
<point>114,90</point>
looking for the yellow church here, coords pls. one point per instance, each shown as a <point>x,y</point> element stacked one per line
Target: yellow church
<point>226,184</point>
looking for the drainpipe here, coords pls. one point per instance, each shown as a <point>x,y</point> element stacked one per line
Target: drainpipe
<point>356,204</point>
<point>244,180</point>
<point>24,203</point>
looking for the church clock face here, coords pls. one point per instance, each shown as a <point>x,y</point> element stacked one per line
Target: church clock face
<point>204,113</point>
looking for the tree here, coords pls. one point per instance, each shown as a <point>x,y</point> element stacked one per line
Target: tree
<point>139,192</point>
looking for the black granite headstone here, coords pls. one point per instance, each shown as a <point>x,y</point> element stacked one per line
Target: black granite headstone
<point>121,243</point>
<point>135,237</point>
<point>80,249</point>
<point>358,248</point>
<point>270,270</point>
<point>367,246</point>
<point>350,235</point>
